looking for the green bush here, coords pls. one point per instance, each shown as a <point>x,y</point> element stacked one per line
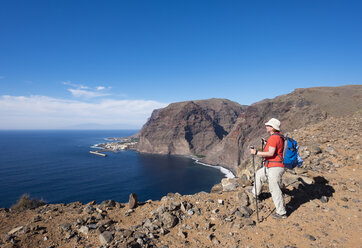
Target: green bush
<point>25,202</point>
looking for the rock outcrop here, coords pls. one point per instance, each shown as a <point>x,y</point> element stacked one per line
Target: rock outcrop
<point>220,131</point>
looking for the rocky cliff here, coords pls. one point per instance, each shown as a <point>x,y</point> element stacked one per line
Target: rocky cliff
<point>189,128</point>
<point>220,131</point>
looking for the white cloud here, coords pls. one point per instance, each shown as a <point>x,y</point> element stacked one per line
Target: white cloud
<point>83,91</point>
<point>77,86</point>
<point>86,93</point>
<point>42,112</point>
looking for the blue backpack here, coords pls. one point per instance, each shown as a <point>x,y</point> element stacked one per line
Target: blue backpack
<point>291,158</point>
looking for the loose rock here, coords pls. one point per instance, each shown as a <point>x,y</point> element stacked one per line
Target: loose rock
<point>133,201</point>
<point>106,237</point>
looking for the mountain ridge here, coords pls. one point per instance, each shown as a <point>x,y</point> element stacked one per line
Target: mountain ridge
<point>220,131</point>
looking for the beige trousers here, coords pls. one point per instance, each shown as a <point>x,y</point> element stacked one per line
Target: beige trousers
<point>274,177</point>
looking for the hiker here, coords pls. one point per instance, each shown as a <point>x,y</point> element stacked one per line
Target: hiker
<point>273,167</point>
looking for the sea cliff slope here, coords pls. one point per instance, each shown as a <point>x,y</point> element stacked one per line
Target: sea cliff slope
<point>220,131</point>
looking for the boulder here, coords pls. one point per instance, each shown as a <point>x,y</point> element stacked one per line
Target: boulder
<point>230,184</point>
<point>185,206</point>
<point>174,206</point>
<point>315,149</point>
<point>168,220</point>
<point>307,180</point>
<point>244,182</point>
<point>217,188</point>
<point>108,204</point>
<point>106,237</point>
<point>89,209</point>
<point>92,203</point>
<point>247,212</point>
<point>324,199</point>
<point>299,171</point>
<point>84,230</point>
<point>243,198</point>
<point>161,210</point>
<point>289,179</point>
<point>148,224</point>
<point>190,212</point>
<point>133,201</point>
<point>66,227</point>
<point>303,152</point>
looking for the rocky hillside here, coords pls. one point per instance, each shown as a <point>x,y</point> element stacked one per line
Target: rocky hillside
<point>323,200</point>
<point>221,131</point>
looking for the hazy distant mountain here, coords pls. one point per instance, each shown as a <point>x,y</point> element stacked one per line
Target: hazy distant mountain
<point>92,126</point>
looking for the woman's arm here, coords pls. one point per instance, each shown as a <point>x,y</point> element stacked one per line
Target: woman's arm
<point>269,153</point>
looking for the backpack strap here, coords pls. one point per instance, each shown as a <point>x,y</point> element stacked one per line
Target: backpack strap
<point>285,138</point>
<point>280,135</point>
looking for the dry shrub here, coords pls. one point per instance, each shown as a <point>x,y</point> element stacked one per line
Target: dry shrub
<point>25,202</point>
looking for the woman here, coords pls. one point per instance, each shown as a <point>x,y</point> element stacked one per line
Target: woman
<point>274,168</point>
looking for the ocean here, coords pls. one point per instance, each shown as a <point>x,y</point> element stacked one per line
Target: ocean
<point>56,166</point>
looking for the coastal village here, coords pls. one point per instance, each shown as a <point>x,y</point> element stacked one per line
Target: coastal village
<point>118,144</point>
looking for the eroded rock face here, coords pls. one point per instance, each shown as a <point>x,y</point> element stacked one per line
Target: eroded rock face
<point>188,128</point>
<point>222,131</point>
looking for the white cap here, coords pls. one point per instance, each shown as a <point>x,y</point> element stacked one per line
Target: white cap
<point>273,123</point>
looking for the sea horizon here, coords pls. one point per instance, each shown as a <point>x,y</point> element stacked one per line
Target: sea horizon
<point>55,165</point>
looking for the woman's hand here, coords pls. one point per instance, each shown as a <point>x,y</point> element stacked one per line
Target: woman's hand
<point>253,151</point>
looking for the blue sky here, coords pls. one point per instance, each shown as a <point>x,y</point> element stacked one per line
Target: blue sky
<point>108,64</point>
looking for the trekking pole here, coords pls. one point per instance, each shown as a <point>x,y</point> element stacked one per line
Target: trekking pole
<point>256,197</point>
<point>262,158</point>
<point>262,149</point>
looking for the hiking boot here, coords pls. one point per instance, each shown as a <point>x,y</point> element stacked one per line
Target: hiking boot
<point>278,216</point>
